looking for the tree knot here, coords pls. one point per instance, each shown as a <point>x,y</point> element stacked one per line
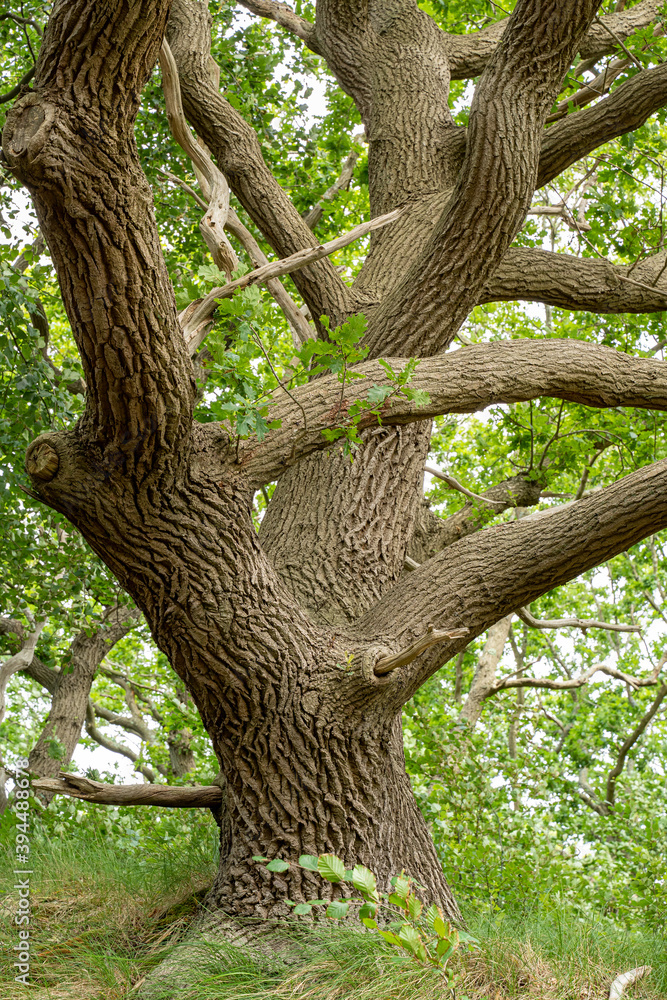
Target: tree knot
<point>27,126</point>
<point>42,461</point>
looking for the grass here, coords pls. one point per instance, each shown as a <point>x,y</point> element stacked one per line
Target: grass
<point>104,918</point>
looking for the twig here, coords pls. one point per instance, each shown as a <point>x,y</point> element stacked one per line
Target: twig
<point>619,41</point>
<point>456,485</point>
<point>431,637</point>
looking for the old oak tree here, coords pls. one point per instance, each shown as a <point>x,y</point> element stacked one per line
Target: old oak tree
<point>300,643</point>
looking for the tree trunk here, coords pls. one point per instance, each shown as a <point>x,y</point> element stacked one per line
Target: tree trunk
<point>304,784</point>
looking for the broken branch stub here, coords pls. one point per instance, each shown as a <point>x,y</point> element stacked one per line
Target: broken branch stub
<point>432,636</point>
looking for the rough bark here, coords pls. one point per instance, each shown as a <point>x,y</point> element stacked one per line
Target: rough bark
<point>469,54</point>
<point>580,282</point>
<point>462,381</point>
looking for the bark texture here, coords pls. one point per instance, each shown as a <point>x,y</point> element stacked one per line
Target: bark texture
<point>276,637</point>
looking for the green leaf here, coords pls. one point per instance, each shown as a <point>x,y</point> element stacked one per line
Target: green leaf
<point>390,937</point>
<point>414,906</point>
<point>277,865</point>
<point>331,868</point>
<point>302,909</point>
<point>309,861</point>
<point>337,909</point>
<point>368,910</point>
<point>259,857</point>
<point>363,879</point>
<point>398,901</point>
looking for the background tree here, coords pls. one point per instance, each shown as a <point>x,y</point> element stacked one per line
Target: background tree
<point>300,645</point>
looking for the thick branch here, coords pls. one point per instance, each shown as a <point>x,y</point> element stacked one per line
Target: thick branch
<point>496,182</point>
<point>469,54</point>
<point>579,282</point>
<point>171,797</point>
<point>462,381</point>
<point>286,18</point>
<point>70,141</point>
<point>480,579</point>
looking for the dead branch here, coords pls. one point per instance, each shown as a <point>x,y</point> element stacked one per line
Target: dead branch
<point>171,797</point>
<point>213,223</point>
<point>617,988</point>
<point>432,636</point>
<point>456,485</point>
<point>342,183</point>
<point>201,315</point>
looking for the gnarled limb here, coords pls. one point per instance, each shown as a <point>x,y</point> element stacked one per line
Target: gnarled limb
<point>582,623</point>
<point>462,381</point>
<point>386,664</point>
<point>495,184</point>
<point>196,322</point>
<point>213,223</point>
<point>579,282</point>
<point>469,54</point>
<point>114,746</point>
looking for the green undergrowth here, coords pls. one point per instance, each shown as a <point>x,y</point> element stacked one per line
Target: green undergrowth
<point>105,916</point>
